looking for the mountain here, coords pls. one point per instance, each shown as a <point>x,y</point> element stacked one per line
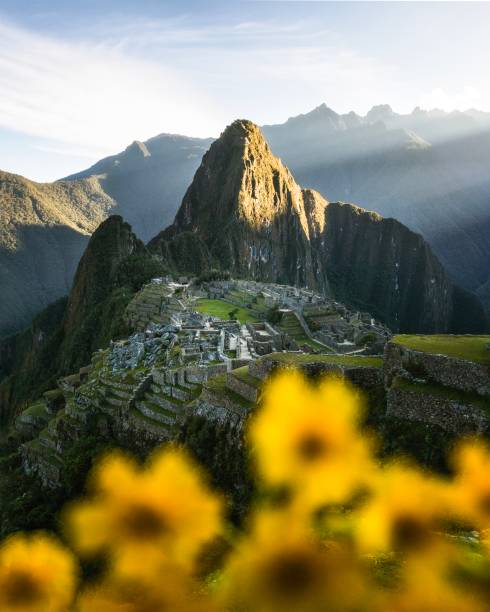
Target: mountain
<point>245,213</point>
<point>428,169</point>
<point>148,179</point>
<point>44,228</point>
<point>63,336</point>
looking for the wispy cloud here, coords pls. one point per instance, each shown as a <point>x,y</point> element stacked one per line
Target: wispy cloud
<point>132,80</point>
<point>92,95</point>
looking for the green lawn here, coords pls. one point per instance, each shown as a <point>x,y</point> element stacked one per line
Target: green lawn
<point>471,348</point>
<point>347,360</point>
<point>220,308</point>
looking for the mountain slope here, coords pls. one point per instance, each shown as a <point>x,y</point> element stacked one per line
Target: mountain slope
<point>244,212</point>
<point>148,179</point>
<point>44,228</point>
<point>63,336</point>
<point>43,231</point>
<point>429,170</point>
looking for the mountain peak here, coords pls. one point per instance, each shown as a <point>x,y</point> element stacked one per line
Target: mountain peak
<point>139,149</point>
<point>238,177</point>
<point>242,133</point>
<point>380,112</point>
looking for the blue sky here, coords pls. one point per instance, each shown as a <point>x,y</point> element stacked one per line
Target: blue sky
<point>81,80</point>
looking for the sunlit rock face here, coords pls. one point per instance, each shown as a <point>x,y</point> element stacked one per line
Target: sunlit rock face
<point>428,169</point>
<point>244,212</point>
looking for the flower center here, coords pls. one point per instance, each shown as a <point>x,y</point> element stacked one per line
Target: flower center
<point>21,589</point>
<point>409,532</point>
<point>311,447</point>
<point>144,522</point>
<point>484,503</point>
<point>292,574</point>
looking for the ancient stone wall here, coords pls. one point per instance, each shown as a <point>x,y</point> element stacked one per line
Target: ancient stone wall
<point>243,389</point>
<point>459,374</point>
<point>451,415</point>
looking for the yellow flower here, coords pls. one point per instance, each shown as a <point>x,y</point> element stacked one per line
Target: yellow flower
<point>161,511</point>
<point>171,592</point>
<point>404,511</point>
<point>472,483</point>
<point>308,437</point>
<point>428,587</point>
<point>36,575</point>
<point>280,567</point>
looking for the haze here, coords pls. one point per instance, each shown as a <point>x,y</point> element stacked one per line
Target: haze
<point>81,82</point>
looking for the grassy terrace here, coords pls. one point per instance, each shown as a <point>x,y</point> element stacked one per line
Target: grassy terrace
<point>291,326</point>
<point>35,410</point>
<point>346,360</point>
<point>471,348</point>
<point>221,308</point>
<point>217,385</point>
<point>443,392</point>
<point>243,374</point>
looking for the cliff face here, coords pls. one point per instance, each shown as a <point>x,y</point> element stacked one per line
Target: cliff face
<point>244,212</point>
<point>429,170</point>
<point>242,203</point>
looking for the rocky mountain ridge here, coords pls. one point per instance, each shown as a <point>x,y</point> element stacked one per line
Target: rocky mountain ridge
<point>428,169</point>
<point>270,229</point>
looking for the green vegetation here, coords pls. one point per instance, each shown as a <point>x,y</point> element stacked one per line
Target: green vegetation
<point>217,385</point>
<point>290,325</point>
<point>346,360</point>
<point>221,309</point>
<point>243,374</point>
<point>443,392</point>
<point>472,348</point>
<point>36,410</point>
<point>273,315</point>
<point>218,447</point>
<point>211,275</point>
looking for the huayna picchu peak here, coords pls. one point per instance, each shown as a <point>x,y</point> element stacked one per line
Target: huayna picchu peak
<point>245,213</point>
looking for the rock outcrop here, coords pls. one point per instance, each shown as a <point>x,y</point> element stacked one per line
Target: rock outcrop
<point>245,213</point>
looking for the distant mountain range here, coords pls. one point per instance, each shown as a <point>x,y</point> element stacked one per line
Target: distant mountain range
<point>245,213</point>
<point>44,228</point>
<point>430,170</point>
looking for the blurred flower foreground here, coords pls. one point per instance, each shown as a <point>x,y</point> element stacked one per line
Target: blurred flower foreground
<point>333,528</point>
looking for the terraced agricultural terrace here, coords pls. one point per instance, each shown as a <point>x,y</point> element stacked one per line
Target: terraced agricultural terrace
<point>471,348</point>
<point>223,309</point>
<point>184,360</point>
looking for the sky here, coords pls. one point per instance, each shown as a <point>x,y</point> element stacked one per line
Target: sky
<point>82,80</point>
